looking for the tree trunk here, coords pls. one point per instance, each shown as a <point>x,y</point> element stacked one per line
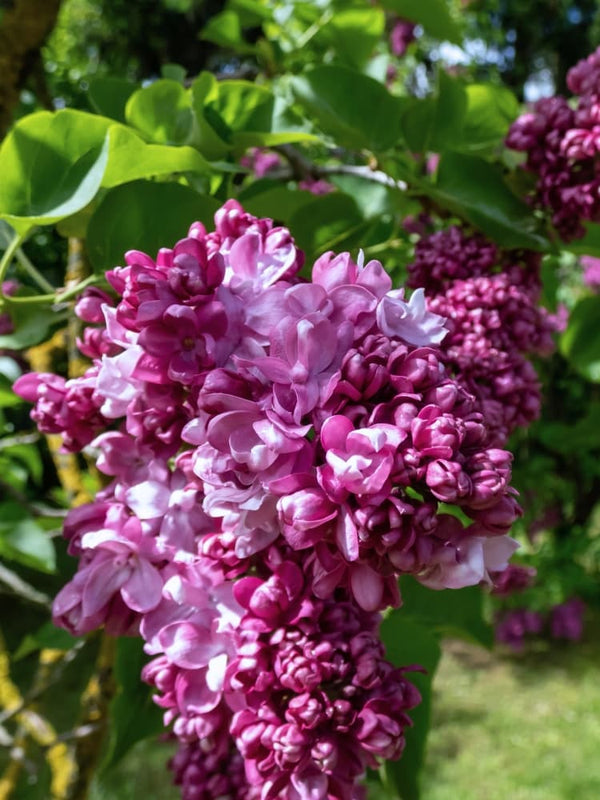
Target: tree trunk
<point>23,29</point>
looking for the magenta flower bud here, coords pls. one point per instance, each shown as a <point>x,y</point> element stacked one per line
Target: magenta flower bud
<point>434,434</point>
<point>305,516</point>
<point>306,710</point>
<point>514,578</point>
<point>325,755</point>
<point>289,745</point>
<point>499,518</point>
<point>447,481</point>
<point>89,305</point>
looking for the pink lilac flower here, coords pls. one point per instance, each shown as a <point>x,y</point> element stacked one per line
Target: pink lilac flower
<point>591,271</point>
<point>66,407</point>
<point>515,626</point>
<point>491,302</point>
<point>401,35</point>
<point>566,620</point>
<point>561,143</point>
<point>206,775</point>
<point>316,186</point>
<point>322,703</point>
<point>261,162</point>
<point>515,578</point>
<point>277,450</point>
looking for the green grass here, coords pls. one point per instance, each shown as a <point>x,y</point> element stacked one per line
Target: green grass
<point>516,728</point>
<point>504,728</point>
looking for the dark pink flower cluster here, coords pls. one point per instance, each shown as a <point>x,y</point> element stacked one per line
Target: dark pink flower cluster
<point>515,627</point>
<point>490,300</point>
<point>515,578</point>
<point>266,163</point>
<point>564,621</point>
<point>562,143</point>
<point>591,272</point>
<point>278,450</point>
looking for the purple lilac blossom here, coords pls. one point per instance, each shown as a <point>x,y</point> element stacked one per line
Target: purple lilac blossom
<point>514,627</point>
<point>591,272</point>
<point>491,302</point>
<point>562,143</point>
<point>566,620</point>
<point>276,451</point>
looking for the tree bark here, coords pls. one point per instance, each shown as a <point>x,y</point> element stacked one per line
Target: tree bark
<point>23,28</point>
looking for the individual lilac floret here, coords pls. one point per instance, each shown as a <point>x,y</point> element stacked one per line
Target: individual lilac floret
<point>515,578</point>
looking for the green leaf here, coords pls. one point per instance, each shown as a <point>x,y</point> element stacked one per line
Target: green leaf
<point>173,72</point>
<point>130,158</point>
<point>245,139</point>
<point>456,612</point>
<point>48,636</point>
<point>270,199</point>
<point>373,199</point>
<point>133,716</point>
<point>9,372</point>
<point>417,123</point>
<point>52,165</point>
<point>27,454</point>
<point>357,111</point>
<point>108,96</point>
<point>580,343</point>
<point>225,30</point>
<point>490,112</point>
<point>408,642</point>
<point>253,117</point>
<point>433,15</point>
<point>162,112</point>
<point>582,436</point>
<point>588,245</point>
<point>331,221</point>
<point>475,190</point>
<point>250,12</point>
<point>354,33</point>
<point>31,325</point>
<point>450,109</point>
<point>210,142</point>
<point>24,541</point>
<point>143,216</point>
<point>435,124</point>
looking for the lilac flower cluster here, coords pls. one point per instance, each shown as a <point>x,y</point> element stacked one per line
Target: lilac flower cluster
<point>563,622</point>
<point>562,143</point>
<point>491,302</point>
<point>277,451</point>
<point>591,272</point>
<point>266,163</point>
